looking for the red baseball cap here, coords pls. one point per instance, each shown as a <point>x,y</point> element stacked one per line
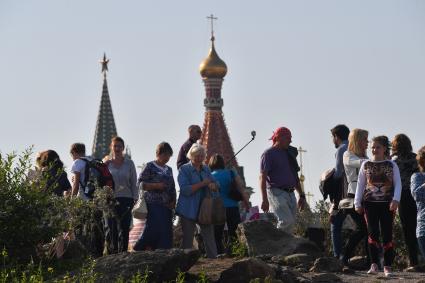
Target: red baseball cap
<point>279,132</point>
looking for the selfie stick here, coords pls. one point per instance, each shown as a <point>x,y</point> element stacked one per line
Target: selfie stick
<point>253,133</point>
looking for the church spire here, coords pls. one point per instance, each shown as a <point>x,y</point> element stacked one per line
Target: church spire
<point>105,125</point>
<point>104,63</point>
<point>213,66</point>
<point>215,136</point>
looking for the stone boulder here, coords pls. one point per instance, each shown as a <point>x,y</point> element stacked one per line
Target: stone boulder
<point>262,237</point>
<point>287,275</point>
<point>161,264</point>
<point>230,270</point>
<point>243,270</point>
<point>358,263</point>
<point>327,264</point>
<point>298,259</point>
<point>325,278</point>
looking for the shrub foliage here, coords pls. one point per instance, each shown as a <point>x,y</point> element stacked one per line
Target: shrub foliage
<point>31,215</point>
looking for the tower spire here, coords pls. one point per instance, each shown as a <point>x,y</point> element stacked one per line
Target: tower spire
<point>105,125</point>
<point>104,63</point>
<point>215,136</point>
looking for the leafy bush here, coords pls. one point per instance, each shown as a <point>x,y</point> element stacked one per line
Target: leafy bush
<point>31,215</point>
<point>238,249</point>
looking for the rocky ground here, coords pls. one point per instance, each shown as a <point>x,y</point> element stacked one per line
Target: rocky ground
<point>224,270</point>
<point>361,276</point>
<point>273,256</point>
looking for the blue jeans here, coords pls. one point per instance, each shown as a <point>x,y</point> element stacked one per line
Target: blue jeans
<point>421,244</point>
<point>336,232</point>
<point>158,232</point>
<point>284,206</point>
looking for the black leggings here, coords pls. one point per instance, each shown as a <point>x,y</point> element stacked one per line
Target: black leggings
<point>379,220</point>
<point>117,228</point>
<point>233,218</point>
<point>408,213</point>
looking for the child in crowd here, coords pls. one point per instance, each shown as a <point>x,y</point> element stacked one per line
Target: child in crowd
<point>377,196</point>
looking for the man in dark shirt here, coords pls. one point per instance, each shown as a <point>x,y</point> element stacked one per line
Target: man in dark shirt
<point>279,179</point>
<point>194,135</point>
<point>340,140</point>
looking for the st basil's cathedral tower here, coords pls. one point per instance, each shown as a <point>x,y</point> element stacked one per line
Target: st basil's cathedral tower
<point>215,137</point>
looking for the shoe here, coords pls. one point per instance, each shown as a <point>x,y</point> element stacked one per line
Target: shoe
<point>373,269</point>
<point>387,271</point>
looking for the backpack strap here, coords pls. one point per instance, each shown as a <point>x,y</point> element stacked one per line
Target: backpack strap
<point>86,171</point>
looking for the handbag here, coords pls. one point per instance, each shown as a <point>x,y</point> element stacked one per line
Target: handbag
<point>140,210</point>
<point>212,210</point>
<point>234,192</point>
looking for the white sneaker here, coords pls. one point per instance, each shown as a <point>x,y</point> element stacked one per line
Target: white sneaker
<point>373,269</point>
<point>387,271</point>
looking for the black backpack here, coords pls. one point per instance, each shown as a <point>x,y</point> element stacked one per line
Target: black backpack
<point>96,174</point>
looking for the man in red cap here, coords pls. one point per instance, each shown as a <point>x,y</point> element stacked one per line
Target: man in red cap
<point>279,178</point>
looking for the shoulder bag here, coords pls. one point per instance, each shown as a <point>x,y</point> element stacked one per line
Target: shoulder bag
<point>212,210</point>
<point>140,210</point>
<point>234,192</point>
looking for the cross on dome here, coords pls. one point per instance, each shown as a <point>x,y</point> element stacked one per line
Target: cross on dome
<point>212,18</point>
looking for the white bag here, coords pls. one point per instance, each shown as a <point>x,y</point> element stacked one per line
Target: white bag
<point>140,210</point>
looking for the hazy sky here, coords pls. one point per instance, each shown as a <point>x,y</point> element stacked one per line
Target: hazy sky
<point>307,65</point>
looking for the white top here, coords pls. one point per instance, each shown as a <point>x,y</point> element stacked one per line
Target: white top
<point>352,164</point>
<point>362,183</point>
<point>79,166</point>
<point>125,179</point>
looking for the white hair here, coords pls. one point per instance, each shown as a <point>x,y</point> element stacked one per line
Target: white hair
<point>196,149</point>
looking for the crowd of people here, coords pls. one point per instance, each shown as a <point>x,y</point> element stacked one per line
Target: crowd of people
<point>369,190</point>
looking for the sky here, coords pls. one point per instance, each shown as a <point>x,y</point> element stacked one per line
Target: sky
<point>306,65</point>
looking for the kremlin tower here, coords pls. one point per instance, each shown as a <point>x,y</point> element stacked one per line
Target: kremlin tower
<point>215,136</point>
<point>105,125</point>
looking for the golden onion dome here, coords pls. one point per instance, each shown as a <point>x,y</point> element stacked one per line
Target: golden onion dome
<point>213,66</point>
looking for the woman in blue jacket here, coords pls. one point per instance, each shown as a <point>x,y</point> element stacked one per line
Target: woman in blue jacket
<point>194,179</point>
<point>224,178</point>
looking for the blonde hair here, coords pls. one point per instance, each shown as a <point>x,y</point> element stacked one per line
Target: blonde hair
<point>196,149</point>
<point>354,139</point>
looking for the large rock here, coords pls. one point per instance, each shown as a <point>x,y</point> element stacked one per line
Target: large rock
<point>161,264</point>
<point>288,275</point>
<point>359,263</point>
<point>325,278</point>
<point>298,259</point>
<point>244,270</point>
<point>262,237</point>
<point>230,270</point>
<point>327,264</point>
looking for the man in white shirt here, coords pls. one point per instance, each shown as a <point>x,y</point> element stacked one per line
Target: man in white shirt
<point>78,150</point>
